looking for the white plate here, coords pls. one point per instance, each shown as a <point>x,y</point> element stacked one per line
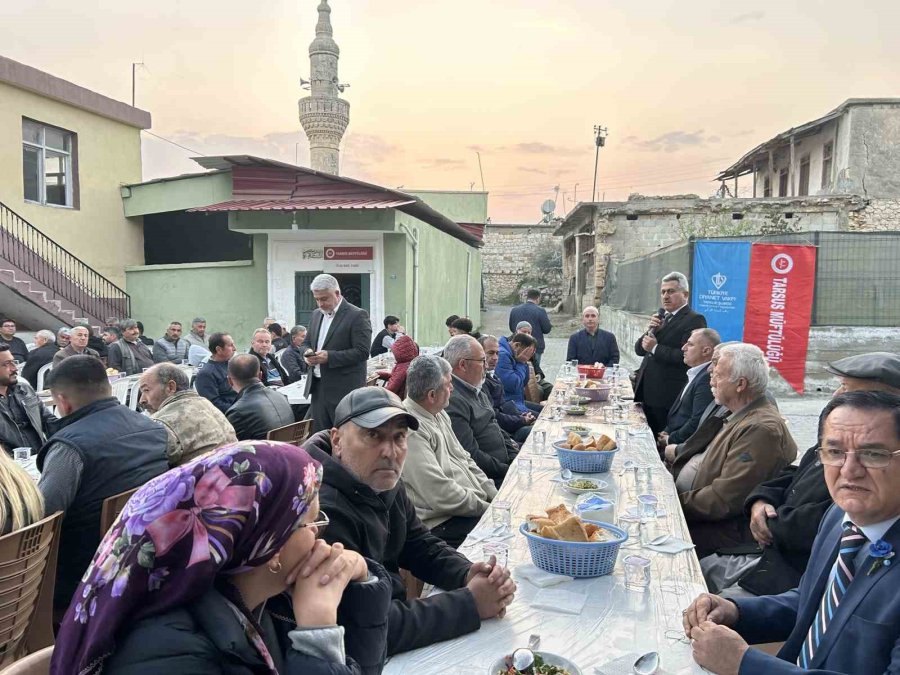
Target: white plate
<point>551,659</point>
<point>601,485</point>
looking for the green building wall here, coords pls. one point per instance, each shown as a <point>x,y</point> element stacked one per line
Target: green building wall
<point>231,296</point>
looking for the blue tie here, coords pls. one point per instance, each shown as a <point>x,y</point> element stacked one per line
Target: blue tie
<point>852,540</point>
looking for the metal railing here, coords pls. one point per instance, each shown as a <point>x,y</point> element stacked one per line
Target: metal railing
<point>62,275</point>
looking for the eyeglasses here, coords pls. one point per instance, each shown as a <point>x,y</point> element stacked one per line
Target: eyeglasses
<point>320,524</point>
<point>482,360</point>
<point>873,458</point>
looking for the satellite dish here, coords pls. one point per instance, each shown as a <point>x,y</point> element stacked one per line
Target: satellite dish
<point>548,207</point>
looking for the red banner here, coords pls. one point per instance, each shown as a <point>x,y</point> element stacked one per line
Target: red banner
<point>349,253</point>
<point>779,305</point>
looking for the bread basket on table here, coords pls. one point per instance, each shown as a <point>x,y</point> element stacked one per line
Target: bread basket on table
<point>575,558</point>
<point>584,461</point>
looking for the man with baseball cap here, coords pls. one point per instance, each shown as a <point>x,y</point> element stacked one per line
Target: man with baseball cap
<point>785,512</point>
<point>370,512</point>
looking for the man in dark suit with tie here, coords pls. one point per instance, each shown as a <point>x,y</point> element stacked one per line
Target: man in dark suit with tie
<point>845,615</point>
<point>685,413</point>
<point>336,349</point>
<point>663,374</point>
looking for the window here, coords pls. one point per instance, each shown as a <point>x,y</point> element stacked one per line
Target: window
<point>827,161</point>
<point>767,186</point>
<point>803,188</point>
<point>47,164</point>
<point>783,182</point>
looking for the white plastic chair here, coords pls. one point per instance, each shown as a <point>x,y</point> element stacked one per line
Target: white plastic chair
<point>42,375</point>
<point>278,355</point>
<point>121,388</point>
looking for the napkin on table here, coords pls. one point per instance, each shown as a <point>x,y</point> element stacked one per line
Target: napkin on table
<point>539,577</point>
<point>671,545</point>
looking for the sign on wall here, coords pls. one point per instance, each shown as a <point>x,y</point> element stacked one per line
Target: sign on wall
<point>343,259</point>
<point>719,285</point>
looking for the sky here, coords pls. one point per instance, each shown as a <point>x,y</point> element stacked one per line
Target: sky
<point>684,88</point>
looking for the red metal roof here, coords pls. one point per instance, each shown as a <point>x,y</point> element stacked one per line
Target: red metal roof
<point>476,229</point>
<point>303,203</point>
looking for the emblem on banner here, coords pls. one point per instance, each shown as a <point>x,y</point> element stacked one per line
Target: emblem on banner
<point>782,263</point>
<point>719,280</point>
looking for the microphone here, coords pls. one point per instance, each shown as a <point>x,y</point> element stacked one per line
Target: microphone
<point>660,314</point>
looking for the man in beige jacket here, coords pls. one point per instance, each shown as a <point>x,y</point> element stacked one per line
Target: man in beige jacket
<point>194,425</point>
<point>446,486</point>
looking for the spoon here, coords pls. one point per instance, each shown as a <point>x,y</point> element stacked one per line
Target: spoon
<point>523,658</point>
<point>658,541</point>
<point>647,664</point>
<point>565,474</point>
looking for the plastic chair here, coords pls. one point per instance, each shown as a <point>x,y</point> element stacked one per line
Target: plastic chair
<point>112,507</point>
<point>27,580</point>
<point>121,388</point>
<point>42,375</point>
<point>294,433</point>
<point>37,663</point>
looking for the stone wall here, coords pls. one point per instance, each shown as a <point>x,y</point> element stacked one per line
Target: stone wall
<point>879,215</point>
<point>508,259</point>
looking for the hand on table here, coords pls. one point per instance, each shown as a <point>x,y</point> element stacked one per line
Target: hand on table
<point>492,592</point>
<point>529,418</point>
<point>717,648</point>
<point>709,608</point>
<point>760,512</point>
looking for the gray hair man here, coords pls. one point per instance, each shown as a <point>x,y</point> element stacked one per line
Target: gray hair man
<point>79,336</point>
<point>336,349</point>
<point>292,358</point>
<point>449,490</point>
<point>471,410</point>
<point>753,446</point>
<point>370,512</point>
<point>194,425</point>
<point>128,354</point>
<point>663,373</point>
<point>197,336</point>
<point>45,349</point>
<point>63,336</point>
<point>258,409</point>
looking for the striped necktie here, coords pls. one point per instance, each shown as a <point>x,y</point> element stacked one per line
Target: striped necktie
<point>852,540</point>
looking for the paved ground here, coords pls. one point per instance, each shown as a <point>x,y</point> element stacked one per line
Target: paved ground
<point>800,412</point>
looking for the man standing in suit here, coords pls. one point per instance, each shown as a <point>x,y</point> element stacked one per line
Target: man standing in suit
<point>336,349</point>
<point>532,312</point>
<point>684,415</point>
<point>663,373</point>
<point>845,615</point>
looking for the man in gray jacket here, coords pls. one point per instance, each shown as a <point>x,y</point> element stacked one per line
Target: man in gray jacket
<point>171,347</point>
<point>472,413</point>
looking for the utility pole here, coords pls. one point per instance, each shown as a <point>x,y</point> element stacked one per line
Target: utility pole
<point>479,170</point>
<point>134,79</point>
<point>576,193</point>
<point>599,141</point>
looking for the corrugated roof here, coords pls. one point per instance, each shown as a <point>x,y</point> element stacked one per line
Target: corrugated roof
<point>300,204</point>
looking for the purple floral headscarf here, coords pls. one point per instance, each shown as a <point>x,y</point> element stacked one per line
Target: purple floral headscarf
<point>223,513</point>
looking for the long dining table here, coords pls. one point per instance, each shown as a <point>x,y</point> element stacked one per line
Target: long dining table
<point>597,623</point>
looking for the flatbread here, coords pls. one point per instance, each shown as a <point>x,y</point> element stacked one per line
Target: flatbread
<point>558,513</point>
<point>571,529</point>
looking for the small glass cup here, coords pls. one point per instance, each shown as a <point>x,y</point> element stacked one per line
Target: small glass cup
<point>502,512</point>
<point>632,528</point>
<point>647,506</point>
<point>643,478</point>
<point>497,549</point>
<point>540,441</point>
<point>637,572</point>
<point>21,455</point>
<point>523,466</point>
<point>621,437</point>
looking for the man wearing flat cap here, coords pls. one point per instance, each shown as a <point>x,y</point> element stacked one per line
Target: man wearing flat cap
<point>785,512</point>
<point>370,512</point>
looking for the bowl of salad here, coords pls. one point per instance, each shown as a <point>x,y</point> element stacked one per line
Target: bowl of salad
<point>545,663</point>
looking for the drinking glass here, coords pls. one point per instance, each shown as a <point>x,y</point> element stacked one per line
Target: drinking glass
<point>632,528</point>
<point>540,441</point>
<point>647,505</point>
<point>621,436</point>
<point>497,549</point>
<point>637,572</point>
<point>523,465</point>
<point>502,512</point>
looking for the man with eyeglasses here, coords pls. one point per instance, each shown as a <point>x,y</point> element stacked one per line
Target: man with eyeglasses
<point>472,413</point>
<point>371,513</point>
<point>844,616</point>
<point>785,512</point>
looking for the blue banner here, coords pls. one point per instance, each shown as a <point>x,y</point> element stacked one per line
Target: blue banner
<point>719,285</point>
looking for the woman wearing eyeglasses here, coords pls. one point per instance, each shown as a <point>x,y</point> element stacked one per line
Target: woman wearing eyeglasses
<point>217,567</point>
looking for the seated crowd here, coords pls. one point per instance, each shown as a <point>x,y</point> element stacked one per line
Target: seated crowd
<point>310,548</point>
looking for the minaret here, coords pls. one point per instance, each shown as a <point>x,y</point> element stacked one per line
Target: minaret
<point>324,116</point>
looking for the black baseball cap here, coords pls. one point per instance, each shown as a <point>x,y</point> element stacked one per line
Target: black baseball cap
<point>883,367</point>
<point>370,407</point>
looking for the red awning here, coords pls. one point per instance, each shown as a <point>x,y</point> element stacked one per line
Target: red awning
<point>302,204</point>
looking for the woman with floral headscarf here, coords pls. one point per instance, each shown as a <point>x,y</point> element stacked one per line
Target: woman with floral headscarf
<point>192,577</point>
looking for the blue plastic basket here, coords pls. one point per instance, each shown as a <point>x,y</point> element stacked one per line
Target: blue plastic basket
<point>575,558</point>
<point>584,461</point>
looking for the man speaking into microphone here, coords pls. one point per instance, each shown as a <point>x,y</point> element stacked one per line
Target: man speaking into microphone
<point>663,373</point>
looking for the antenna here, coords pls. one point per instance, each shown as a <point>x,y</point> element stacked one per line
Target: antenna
<point>547,208</point>
<point>479,170</point>
<point>134,79</point>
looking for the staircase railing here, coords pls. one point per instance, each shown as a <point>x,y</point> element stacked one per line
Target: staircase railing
<point>64,275</point>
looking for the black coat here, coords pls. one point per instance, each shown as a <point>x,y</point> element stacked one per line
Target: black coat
<point>269,363</point>
<point>385,528</point>
<point>257,411</point>
<point>293,364</point>
<point>663,374</point>
<point>509,419</point>
<point>587,350</point>
<point>204,637</point>
<point>37,358</point>
<point>801,498</point>
<point>685,413</point>
<point>536,316</point>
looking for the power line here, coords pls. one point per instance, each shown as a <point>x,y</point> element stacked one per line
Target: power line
<point>183,147</point>
<point>684,179</point>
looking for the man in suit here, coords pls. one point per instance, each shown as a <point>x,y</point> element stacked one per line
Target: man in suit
<point>684,415</point>
<point>845,615</point>
<point>592,344</point>
<point>532,312</point>
<point>258,409</point>
<point>336,348</point>
<point>663,373</point>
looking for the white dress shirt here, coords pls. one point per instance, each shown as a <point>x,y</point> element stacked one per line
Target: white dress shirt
<point>327,318</point>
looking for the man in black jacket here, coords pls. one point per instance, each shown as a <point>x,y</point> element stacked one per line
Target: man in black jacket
<point>258,409</point>
<point>509,418</point>
<point>270,371</point>
<point>471,412</point>
<point>371,513</point>
<point>663,374</point>
<point>785,512</point>
<point>292,358</point>
<point>24,421</point>
<point>45,349</point>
